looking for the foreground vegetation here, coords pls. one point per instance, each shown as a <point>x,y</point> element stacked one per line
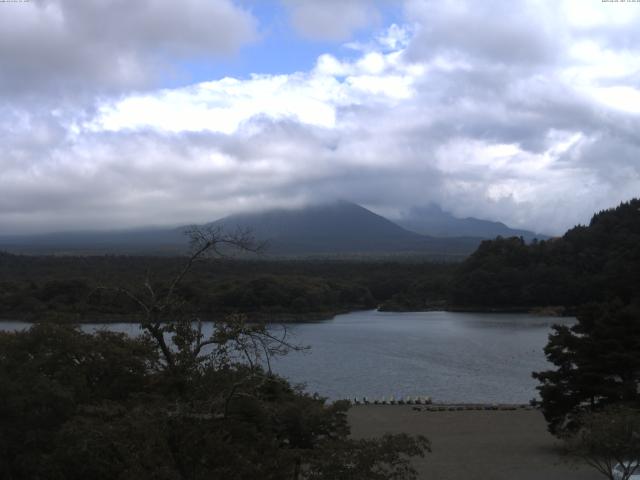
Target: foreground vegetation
<point>172,404</point>
<point>105,406</point>
<point>597,365</point>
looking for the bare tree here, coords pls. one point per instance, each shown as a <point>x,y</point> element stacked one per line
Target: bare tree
<point>179,335</point>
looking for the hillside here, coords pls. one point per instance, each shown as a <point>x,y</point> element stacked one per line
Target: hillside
<point>598,262</point>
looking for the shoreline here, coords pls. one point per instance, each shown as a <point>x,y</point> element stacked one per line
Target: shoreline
<point>447,406</point>
<point>286,318</point>
<point>475,445</point>
<point>289,318</point>
<point>549,310</point>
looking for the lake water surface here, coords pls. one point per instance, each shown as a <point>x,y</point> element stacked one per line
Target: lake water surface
<point>451,357</point>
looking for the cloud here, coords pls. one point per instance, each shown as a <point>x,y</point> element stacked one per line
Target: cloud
<point>533,123</point>
<point>333,20</point>
<point>60,46</point>
<point>513,33</point>
<point>312,98</point>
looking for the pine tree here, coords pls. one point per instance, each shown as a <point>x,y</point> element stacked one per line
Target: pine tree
<point>598,364</point>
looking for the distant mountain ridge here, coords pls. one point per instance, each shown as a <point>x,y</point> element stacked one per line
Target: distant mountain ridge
<point>340,227</point>
<point>434,221</point>
<point>331,229</point>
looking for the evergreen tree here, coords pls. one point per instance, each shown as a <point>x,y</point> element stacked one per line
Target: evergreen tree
<point>598,364</point>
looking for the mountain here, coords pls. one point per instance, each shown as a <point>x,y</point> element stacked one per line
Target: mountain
<point>340,227</point>
<point>432,220</point>
<point>336,228</point>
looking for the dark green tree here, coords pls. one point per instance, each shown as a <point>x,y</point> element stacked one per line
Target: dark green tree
<point>174,404</point>
<point>595,263</point>
<point>50,373</point>
<point>597,364</point>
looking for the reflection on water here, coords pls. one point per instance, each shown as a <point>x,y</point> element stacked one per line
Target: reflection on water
<point>457,357</point>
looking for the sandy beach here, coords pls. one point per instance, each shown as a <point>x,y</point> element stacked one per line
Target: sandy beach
<point>475,445</point>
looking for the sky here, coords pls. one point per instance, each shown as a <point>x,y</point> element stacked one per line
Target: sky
<point>118,114</point>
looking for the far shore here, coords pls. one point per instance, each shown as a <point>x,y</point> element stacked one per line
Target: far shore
<point>475,444</point>
<point>135,318</point>
<point>547,311</point>
<point>288,317</point>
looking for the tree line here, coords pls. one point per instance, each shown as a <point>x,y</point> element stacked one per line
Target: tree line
<point>67,288</point>
<point>594,263</point>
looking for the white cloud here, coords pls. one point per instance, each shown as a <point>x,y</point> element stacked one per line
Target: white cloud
<point>223,106</point>
<point>588,14</point>
<point>536,126</point>
<point>312,98</point>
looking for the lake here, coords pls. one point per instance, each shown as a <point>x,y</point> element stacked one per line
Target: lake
<point>451,357</point>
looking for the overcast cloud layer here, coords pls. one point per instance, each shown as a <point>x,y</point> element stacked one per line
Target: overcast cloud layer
<point>526,112</point>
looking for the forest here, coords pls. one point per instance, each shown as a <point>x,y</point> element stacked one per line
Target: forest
<point>597,262</point>
<point>593,263</point>
<point>82,288</point>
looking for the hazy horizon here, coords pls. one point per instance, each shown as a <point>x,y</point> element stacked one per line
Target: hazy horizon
<point>186,223</point>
